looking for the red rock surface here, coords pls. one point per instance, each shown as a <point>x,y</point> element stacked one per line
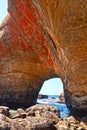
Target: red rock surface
<point>41,40</point>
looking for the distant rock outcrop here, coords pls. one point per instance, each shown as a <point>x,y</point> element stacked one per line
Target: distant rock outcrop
<point>41,40</point>
<point>41,96</point>
<point>61,98</point>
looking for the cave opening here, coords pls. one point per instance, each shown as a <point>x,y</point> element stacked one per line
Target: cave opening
<point>52,93</point>
<point>52,89</point>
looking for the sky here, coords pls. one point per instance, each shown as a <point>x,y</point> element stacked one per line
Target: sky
<point>50,87</point>
<point>3,9</point>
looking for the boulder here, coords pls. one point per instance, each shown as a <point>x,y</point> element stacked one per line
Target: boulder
<point>44,119</point>
<point>61,98</point>
<point>39,123</point>
<point>38,110</point>
<point>5,111</point>
<point>8,124</point>
<point>19,113</point>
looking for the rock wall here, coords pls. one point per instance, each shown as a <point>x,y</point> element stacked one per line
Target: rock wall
<point>27,55</point>
<point>41,40</point>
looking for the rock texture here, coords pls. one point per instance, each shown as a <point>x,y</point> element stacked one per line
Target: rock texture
<point>41,40</point>
<point>40,122</point>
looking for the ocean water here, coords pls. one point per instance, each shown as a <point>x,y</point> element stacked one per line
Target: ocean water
<point>53,96</point>
<point>52,101</point>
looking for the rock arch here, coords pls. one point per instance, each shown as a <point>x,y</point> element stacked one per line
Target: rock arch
<point>40,40</point>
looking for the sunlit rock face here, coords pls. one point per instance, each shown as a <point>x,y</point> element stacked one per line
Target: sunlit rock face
<point>28,55</point>
<point>41,40</point>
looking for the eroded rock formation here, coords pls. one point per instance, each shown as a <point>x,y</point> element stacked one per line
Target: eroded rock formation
<point>40,40</point>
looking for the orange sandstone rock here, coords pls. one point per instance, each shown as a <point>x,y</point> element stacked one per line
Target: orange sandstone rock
<point>41,40</point>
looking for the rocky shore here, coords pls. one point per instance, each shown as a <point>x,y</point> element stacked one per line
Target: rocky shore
<point>38,117</point>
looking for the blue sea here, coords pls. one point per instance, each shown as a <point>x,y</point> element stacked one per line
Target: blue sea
<point>52,101</point>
